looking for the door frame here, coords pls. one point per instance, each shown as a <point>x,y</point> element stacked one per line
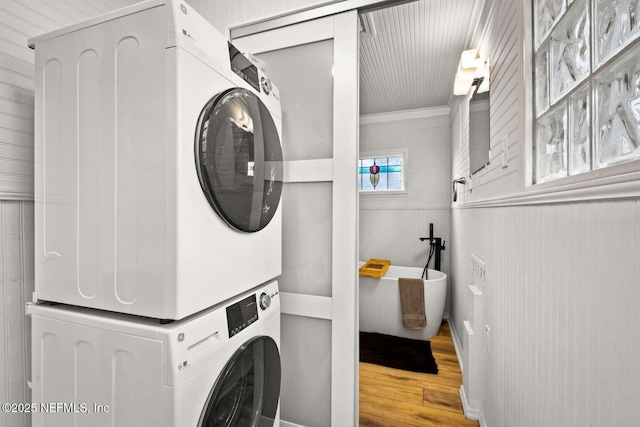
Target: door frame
<point>342,307</point>
<point>305,14</point>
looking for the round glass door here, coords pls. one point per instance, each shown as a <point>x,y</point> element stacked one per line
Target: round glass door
<point>247,391</point>
<point>239,159</point>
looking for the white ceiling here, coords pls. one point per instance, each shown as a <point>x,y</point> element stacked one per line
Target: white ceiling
<point>411,62</point>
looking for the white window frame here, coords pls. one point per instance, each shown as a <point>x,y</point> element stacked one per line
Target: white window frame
<point>620,180</point>
<point>403,152</point>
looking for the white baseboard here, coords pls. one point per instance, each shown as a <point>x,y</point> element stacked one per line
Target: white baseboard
<point>483,422</point>
<point>456,341</point>
<point>471,413</point>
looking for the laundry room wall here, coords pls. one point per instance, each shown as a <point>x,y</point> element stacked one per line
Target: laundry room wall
<point>560,294</point>
<point>19,21</point>
<point>390,225</point>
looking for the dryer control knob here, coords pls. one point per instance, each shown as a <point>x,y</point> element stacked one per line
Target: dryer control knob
<point>266,85</point>
<point>265,301</point>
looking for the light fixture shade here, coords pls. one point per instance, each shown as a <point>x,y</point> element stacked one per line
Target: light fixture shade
<point>469,59</point>
<point>460,87</point>
<point>466,74</point>
<point>472,70</point>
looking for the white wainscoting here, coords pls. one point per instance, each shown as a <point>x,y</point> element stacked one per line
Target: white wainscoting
<point>17,286</point>
<point>393,234</point>
<point>563,304</point>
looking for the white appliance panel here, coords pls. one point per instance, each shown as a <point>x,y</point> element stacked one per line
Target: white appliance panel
<point>122,223</point>
<point>115,369</point>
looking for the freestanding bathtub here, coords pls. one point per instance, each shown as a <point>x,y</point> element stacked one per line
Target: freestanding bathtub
<point>380,302</point>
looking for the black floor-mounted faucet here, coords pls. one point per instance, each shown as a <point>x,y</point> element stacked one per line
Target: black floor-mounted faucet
<point>437,245</point>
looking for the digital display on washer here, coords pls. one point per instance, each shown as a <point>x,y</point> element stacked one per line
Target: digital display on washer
<point>241,314</point>
<point>243,67</point>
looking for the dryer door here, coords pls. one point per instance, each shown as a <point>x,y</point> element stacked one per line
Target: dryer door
<point>247,391</point>
<point>239,159</point>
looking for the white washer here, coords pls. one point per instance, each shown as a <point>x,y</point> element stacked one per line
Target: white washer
<point>158,164</point>
<point>220,367</point>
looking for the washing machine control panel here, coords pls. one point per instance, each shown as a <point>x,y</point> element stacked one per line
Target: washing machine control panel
<point>242,314</point>
<point>243,67</point>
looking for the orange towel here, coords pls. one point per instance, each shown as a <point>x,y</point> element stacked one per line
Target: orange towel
<point>412,303</point>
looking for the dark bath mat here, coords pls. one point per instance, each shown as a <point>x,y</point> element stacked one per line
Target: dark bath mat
<point>396,352</point>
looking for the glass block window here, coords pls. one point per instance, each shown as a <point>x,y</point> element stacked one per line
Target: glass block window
<point>381,173</point>
<point>586,86</point>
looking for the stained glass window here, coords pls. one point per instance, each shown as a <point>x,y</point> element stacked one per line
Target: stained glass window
<point>381,173</point>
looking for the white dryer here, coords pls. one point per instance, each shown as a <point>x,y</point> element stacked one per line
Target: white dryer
<point>158,164</point>
<point>217,368</point>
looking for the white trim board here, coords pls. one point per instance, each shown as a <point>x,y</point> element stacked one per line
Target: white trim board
<point>607,188</point>
<point>16,196</point>
<point>305,305</point>
<point>395,116</point>
<point>308,170</point>
<point>400,208</point>
<point>297,15</point>
<point>456,341</point>
<point>472,414</point>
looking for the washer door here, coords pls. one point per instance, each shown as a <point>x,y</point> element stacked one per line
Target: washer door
<point>247,391</point>
<point>239,159</point>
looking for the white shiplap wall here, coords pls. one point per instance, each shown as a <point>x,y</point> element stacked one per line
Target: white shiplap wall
<point>391,225</point>
<point>563,304</point>
<point>20,20</point>
<point>503,44</point>
<point>561,295</point>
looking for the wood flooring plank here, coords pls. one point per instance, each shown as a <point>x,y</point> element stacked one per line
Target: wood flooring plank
<point>368,420</point>
<point>391,390</point>
<point>396,398</point>
<point>445,399</point>
<point>415,379</point>
<point>413,414</point>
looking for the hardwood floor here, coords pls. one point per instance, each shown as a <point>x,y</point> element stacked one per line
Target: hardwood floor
<point>395,398</point>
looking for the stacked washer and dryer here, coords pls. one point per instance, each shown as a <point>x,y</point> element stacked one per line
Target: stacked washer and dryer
<point>158,228</point>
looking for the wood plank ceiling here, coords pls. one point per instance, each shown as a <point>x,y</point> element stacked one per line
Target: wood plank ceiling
<point>411,61</point>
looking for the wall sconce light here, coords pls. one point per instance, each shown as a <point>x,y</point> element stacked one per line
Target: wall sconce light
<point>473,70</point>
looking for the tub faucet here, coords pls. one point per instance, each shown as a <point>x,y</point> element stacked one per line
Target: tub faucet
<point>437,245</point>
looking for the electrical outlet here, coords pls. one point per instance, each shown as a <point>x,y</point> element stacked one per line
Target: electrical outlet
<point>478,270</point>
<point>487,333</point>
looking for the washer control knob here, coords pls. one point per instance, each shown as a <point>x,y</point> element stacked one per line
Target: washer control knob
<point>265,301</point>
<point>266,85</point>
